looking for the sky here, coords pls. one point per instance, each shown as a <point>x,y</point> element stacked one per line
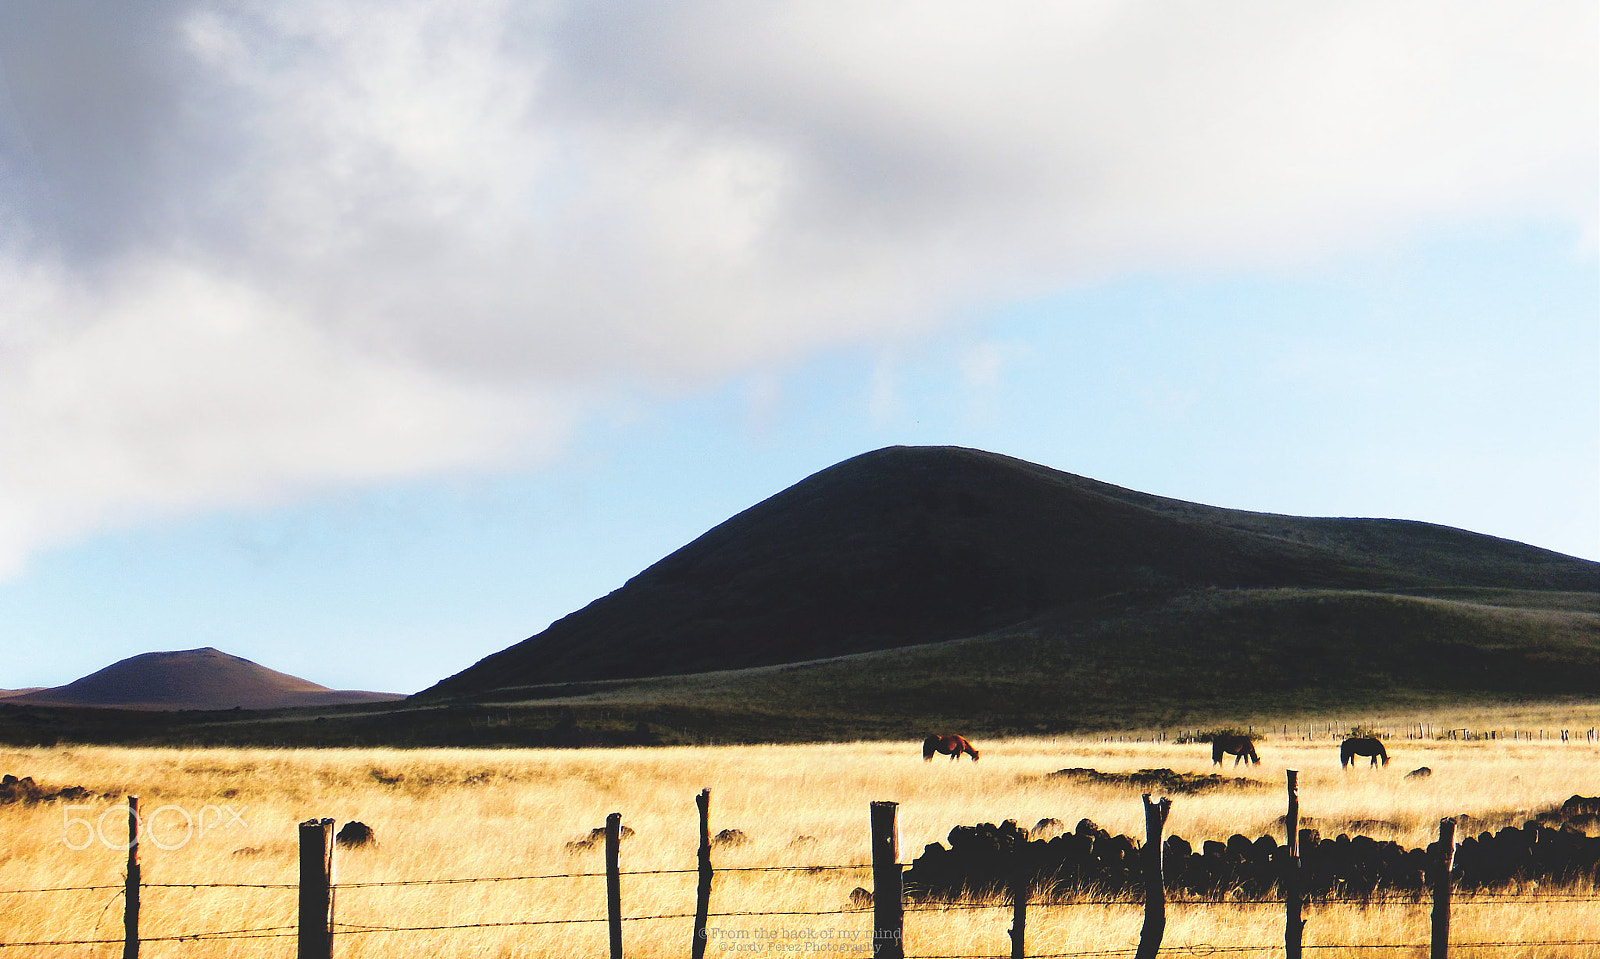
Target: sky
<point>365,339</point>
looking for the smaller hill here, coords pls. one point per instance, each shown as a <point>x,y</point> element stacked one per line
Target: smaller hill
<point>203,678</point>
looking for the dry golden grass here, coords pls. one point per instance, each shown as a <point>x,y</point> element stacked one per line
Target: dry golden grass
<point>461,814</point>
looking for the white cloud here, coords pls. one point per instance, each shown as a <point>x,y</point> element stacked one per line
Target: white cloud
<point>171,389</point>
<point>259,248</point>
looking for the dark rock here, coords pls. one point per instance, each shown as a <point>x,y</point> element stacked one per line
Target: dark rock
<point>356,835</point>
<point>1047,829</point>
<point>596,837</point>
<point>28,792</point>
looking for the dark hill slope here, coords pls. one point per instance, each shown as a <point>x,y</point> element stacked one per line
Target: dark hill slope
<point>906,546</point>
<point>1225,657</point>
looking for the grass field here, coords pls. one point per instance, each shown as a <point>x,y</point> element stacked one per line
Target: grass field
<point>228,816</point>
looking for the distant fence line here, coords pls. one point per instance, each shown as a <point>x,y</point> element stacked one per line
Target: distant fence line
<point>888,901</point>
<point>1334,732</point>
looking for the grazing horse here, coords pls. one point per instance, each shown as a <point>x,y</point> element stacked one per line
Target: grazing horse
<point>952,746</point>
<point>1362,746</point>
<point>1239,747</point>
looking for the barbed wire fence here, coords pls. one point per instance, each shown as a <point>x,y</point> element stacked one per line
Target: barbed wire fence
<point>1335,731</point>
<point>316,930</point>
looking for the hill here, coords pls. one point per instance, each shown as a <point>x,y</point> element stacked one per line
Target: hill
<point>192,679</point>
<point>1190,660</point>
<point>907,547</point>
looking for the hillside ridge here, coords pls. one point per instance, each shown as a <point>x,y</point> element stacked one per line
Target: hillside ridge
<point>912,545</point>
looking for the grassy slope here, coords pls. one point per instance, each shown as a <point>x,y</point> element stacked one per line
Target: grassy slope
<point>1128,662</point>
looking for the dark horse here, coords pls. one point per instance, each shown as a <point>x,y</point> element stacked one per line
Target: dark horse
<point>952,746</point>
<point>1362,746</point>
<point>1239,747</point>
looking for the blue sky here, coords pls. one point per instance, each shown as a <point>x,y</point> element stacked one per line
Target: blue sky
<point>366,340</point>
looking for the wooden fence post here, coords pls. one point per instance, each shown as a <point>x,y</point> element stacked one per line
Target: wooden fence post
<point>1155,890</point>
<point>1443,860</point>
<point>1293,902</point>
<point>1020,878</point>
<point>888,909</point>
<point>316,890</point>
<point>130,893</point>
<point>614,882</point>
<point>702,905</point>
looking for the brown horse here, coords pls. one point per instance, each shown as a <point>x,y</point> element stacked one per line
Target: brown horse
<point>952,746</point>
<point>1362,746</point>
<point>1239,747</point>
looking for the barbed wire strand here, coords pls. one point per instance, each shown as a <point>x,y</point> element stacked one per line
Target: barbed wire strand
<point>219,885</point>
<point>1465,898</point>
<point>1483,897</point>
<point>593,875</point>
<point>355,928</point>
<point>1205,949</point>
<point>350,927</point>
<point>15,892</point>
<point>265,932</point>
<point>439,882</point>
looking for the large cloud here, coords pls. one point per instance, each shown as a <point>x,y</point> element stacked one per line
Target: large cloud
<point>254,248</point>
